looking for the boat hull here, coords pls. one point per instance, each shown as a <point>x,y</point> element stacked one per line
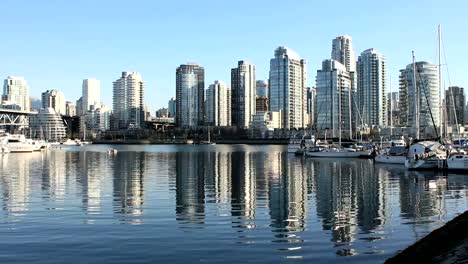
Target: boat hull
<point>337,154</point>
<point>390,159</point>
<point>457,162</point>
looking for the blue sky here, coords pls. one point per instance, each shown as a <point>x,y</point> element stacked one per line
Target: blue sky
<point>56,44</point>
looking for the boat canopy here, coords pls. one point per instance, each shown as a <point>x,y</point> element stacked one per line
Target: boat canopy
<point>425,147</point>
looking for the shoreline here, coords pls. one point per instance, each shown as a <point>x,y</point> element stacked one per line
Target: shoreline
<point>182,142</point>
<point>448,244</point>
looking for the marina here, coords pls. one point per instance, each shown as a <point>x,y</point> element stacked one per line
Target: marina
<point>215,203</point>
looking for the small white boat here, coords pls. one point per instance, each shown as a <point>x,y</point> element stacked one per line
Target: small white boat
<point>426,155</point>
<point>112,151</point>
<point>457,161</point>
<point>393,155</point>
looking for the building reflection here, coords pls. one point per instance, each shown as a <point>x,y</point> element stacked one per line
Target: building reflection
<point>243,193</point>
<point>190,189</point>
<point>218,177</point>
<point>349,194</point>
<point>54,171</point>
<point>421,194</point>
<point>15,181</point>
<point>128,181</point>
<point>288,194</point>
<point>92,166</point>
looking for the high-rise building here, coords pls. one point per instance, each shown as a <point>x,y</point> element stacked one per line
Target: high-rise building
<point>35,103</point>
<point>54,99</point>
<point>70,109</point>
<point>393,116</point>
<point>333,86</point>
<point>162,112</point>
<point>287,88</point>
<point>342,51</point>
<point>218,104</point>
<point>311,104</point>
<point>455,105</point>
<point>48,125</point>
<point>262,88</point>
<point>91,94</point>
<point>190,95</point>
<point>243,90</point>
<point>16,91</point>
<point>79,107</point>
<point>128,101</point>
<point>372,88</point>
<point>171,107</point>
<point>261,104</point>
<point>427,83</point>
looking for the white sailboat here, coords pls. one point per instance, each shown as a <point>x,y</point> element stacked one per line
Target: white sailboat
<point>393,155</point>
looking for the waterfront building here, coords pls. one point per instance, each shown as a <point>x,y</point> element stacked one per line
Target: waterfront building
<point>263,121</point>
<point>190,95</point>
<point>54,99</point>
<point>70,109</point>
<point>262,88</point>
<point>35,103</point>
<point>91,94</point>
<point>162,112</point>
<point>47,124</point>
<point>16,92</point>
<point>427,83</point>
<point>455,105</point>
<point>333,84</point>
<point>79,107</point>
<point>287,88</point>
<point>343,52</point>
<point>261,104</point>
<point>243,90</point>
<point>128,101</point>
<point>393,114</point>
<point>372,88</point>
<point>171,106</point>
<point>311,105</point>
<point>218,104</point>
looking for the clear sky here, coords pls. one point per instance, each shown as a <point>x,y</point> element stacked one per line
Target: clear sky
<point>57,44</point>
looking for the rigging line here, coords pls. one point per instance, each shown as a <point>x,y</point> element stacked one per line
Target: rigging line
<point>450,90</point>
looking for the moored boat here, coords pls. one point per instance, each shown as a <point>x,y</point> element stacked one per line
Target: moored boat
<point>393,155</point>
<point>426,155</point>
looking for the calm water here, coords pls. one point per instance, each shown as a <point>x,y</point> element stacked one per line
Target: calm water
<point>185,204</point>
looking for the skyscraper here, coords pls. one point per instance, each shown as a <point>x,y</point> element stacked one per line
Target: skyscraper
<point>218,104</point>
<point>128,101</point>
<point>311,105</point>
<point>372,88</point>
<point>427,83</point>
<point>171,107</point>
<point>262,88</point>
<point>54,99</point>
<point>342,51</point>
<point>243,90</point>
<point>190,95</point>
<point>16,91</point>
<point>333,85</point>
<point>287,88</point>
<point>91,94</point>
<point>70,109</point>
<point>455,103</point>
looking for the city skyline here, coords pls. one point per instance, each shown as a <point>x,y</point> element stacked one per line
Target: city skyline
<point>68,60</point>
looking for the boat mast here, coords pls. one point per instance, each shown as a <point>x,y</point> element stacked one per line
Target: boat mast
<point>416,100</point>
<point>441,101</point>
<point>340,115</point>
<point>349,109</point>
<point>391,108</point>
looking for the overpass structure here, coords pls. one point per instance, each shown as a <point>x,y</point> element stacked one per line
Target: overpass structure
<point>11,117</point>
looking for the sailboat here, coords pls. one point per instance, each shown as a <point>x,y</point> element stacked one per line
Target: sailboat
<point>425,154</point>
<point>339,151</point>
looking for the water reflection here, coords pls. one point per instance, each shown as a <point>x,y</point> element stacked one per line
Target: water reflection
<point>251,196</point>
<point>128,182</point>
<point>190,189</point>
